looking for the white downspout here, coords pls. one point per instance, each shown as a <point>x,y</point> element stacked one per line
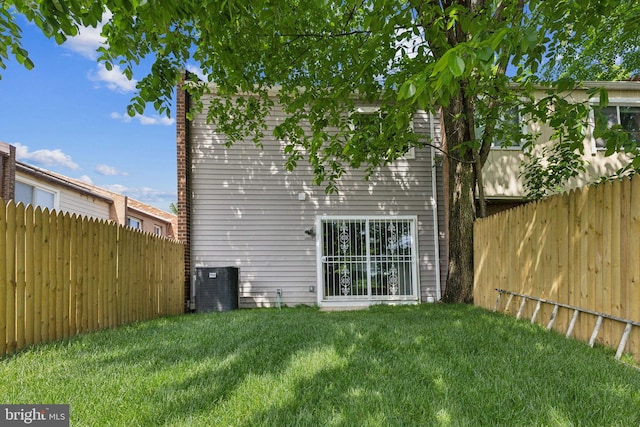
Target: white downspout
<point>434,206</point>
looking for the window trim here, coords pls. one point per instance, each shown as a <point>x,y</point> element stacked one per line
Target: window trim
<point>410,154</point>
<point>38,185</point>
<point>613,102</point>
<point>129,218</point>
<point>525,130</point>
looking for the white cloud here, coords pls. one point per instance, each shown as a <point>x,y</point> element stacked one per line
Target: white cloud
<point>86,43</point>
<point>108,170</point>
<point>49,158</point>
<point>116,188</point>
<point>88,40</point>
<point>144,120</point>
<point>114,79</point>
<point>152,196</point>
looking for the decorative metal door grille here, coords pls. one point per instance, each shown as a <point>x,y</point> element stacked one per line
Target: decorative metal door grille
<point>368,258</point>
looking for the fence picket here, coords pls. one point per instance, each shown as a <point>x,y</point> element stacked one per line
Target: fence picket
<point>74,247</point>
<point>21,283</point>
<point>587,227</point>
<point>92,280</point>
<point>585,324</point>
<point>45,284</point>
<point>10,279</point>
<point>614,281</point>
<point>598,275</point>
<point>633,290</point>
<point>625,226</point>
<point>53,275</point>
<point>101,273</point>
<point>29,278</point>
<point>38,245</point>
<point>112,302</point>
<point>84,277</point>
<point>59,280</point>
<point>123,291</point>
<point>66,275</point>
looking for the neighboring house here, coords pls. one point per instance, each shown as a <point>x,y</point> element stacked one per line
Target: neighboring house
<point>127,211</point>
<point>376,241</point>
<point>503,184</point>
<point>39,187</point>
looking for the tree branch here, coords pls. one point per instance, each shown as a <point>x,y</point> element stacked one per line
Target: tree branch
<point>325,35</point>
<point>457,159</point>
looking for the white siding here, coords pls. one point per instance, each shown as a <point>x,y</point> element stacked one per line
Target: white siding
<point>83,205</point>
<point>246,212</point>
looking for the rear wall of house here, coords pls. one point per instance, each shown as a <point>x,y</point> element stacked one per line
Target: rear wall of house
<point>247,212</point>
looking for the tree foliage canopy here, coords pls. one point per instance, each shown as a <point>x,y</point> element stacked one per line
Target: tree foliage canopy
<point>470,60</point>
<point>606,51</point>
<point>402,54</point>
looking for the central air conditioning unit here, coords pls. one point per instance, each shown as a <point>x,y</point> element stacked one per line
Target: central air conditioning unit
<point>216,289</point>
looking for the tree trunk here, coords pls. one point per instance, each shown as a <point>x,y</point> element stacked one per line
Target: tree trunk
<point>462,213</point>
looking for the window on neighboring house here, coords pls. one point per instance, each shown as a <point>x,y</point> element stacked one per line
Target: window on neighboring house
<point>157,230</point>
<point>370,119</point>
<point>33,195</point>
<point>509,121</point>
<point>627,116</point>
<point>134,223</point>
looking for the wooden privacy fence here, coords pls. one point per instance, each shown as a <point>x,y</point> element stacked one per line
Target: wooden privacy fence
<point>579,249</point>
<point>61,275</point>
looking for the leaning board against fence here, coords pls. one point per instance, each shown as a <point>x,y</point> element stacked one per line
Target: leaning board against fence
<point>580,248</point>
<point>61,275</point>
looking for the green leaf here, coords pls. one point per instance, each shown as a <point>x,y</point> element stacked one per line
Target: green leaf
<point>565,83</point>
<point>407,90</point>
<point>604,98</point>
<point>485,53</point>
<point>28,64</point>
<point>456,65</point>
<point>60,38</point>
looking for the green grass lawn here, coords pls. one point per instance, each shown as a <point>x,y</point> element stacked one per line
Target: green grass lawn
<point>387,366</point>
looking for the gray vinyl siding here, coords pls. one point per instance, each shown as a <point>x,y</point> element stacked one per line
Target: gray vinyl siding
<point>246,212</point>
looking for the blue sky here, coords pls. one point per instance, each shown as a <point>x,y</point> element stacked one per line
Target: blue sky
<point>68,115</point>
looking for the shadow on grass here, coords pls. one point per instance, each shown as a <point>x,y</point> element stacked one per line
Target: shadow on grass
<point>417,365</point>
